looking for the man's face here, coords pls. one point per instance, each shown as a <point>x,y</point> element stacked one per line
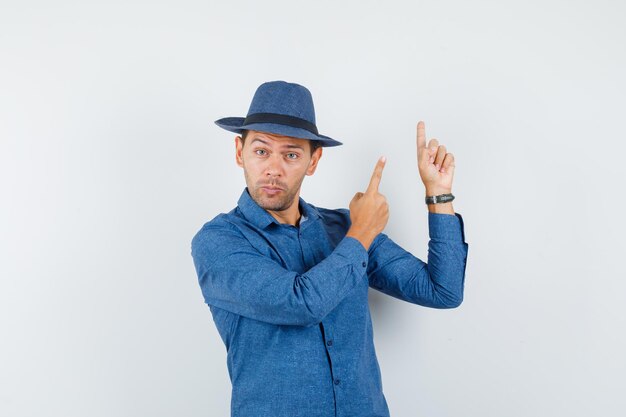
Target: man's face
<point>274,167</point>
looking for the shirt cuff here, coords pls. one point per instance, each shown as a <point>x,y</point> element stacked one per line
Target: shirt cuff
<point>446,226</point>
<point>354,251</point>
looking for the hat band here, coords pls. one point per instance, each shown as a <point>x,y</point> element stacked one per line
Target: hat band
<point>281,119</point>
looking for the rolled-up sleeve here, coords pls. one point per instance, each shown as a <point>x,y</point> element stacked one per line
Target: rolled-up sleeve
<point>234,276</point>
<point>438,283</point>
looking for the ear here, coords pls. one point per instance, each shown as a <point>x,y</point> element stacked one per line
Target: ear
<point>314,160</point>
<point>239,151</point>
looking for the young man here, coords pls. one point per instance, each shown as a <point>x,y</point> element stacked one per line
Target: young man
<point>287,282</point>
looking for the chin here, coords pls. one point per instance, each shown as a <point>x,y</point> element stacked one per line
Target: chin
<point>274,205</point>
<point>268,203</point>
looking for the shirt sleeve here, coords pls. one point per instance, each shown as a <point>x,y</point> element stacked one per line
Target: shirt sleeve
<point>236,277</point>
<point>438,283</point>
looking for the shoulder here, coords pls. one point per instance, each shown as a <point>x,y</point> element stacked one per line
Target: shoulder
<point>338,221</point>
<point>335,223</point>
<point>221,229</point>
<point>338,216</point>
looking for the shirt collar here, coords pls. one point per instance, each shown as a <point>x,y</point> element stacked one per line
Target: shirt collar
<point>260,217</point>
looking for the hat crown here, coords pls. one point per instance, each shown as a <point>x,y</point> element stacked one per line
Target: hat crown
<point>281,97</point>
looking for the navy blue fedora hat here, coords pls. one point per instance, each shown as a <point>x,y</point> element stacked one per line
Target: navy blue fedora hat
<point>281,108</point>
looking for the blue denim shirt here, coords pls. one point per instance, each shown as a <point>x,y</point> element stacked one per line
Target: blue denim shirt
<point>290,304</point>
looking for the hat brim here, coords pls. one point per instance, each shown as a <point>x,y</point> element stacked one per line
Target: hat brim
<point>235,124</point>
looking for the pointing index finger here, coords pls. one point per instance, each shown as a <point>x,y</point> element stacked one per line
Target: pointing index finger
<point>376,175</point>
<point>421,135</point>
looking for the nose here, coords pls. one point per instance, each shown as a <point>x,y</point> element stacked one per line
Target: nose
<point>274,166</point>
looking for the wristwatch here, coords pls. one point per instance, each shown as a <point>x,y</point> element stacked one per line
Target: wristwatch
<point>441,198</point>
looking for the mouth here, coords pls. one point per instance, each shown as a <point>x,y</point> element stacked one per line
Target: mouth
<point>271,190</point>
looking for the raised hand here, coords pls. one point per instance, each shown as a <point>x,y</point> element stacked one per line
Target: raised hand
<point>436,166</point>
<point>369,211</point>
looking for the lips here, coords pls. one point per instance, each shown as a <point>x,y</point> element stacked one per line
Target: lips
<point>271,190</point>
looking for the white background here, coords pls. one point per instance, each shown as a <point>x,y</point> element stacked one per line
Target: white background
<point>110,162</point>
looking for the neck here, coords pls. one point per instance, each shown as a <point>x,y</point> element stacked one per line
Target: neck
<point>290,216</point>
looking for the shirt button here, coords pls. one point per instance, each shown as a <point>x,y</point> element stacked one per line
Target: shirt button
<point>337,381</point>
<point>363,264</point>
<point>329,343</point>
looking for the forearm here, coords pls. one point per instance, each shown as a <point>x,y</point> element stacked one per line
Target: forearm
<point>447,255</point>
<point>438,283</point>
<point>441,208</point>
<point>236,277</point>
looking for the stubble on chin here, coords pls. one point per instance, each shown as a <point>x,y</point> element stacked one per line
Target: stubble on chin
<point>278,203</point>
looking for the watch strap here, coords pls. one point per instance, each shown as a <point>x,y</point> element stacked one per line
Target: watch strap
<point>438,199</point>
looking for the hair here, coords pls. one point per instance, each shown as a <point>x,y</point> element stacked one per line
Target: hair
<point>314,143</point>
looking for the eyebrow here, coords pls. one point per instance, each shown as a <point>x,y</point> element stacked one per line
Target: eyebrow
<point>289,145</point>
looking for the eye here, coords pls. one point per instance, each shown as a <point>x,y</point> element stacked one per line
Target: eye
<point>260,152</point>
<point>292,155</point>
